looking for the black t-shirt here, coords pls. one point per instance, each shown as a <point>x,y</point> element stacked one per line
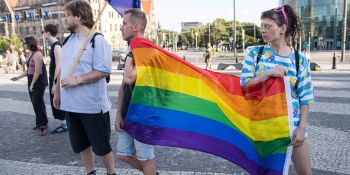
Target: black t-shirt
<point>128,89</point>
<point>53,59</point>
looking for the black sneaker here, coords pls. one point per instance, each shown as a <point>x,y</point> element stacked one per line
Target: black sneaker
<point>59,129</point>
<point>92,173</point>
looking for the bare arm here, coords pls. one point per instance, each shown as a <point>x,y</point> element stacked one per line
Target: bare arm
<point>19,76</point>
<point>57,93</point>
<point>57,52</point>
<point>129,78</point>
<point>38,62</point>
<point>119,123</point>
<point>299,133</point>
<point>129,71</point>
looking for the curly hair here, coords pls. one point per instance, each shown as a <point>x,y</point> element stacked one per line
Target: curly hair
<point>82,9</point>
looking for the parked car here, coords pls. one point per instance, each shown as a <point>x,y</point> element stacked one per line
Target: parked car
<point>117,55</point>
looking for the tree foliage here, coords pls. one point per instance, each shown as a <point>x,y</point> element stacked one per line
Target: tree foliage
<point>4,45</point>
<point>14,42</point>
<point>220,32</point>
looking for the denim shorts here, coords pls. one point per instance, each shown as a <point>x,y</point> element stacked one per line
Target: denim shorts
<point>128,146</point>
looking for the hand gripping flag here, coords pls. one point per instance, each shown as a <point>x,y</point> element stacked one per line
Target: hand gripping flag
<point>122,5</point>
<point>178,104</point>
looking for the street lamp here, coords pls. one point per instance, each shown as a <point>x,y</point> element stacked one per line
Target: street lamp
<point>196,34</point>
<point>209,33</point>
<point>345,14</point>
<point>234,31</point>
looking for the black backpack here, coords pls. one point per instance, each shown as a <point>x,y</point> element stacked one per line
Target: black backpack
<point>261,49</point>
<point>92,41</point>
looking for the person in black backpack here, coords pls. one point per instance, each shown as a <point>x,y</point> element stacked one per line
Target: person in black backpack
<point>82,92</point>
<point>279,29</point>
<point>50,32</point>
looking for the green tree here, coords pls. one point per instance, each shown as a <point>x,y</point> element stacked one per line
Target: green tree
<point>183,40</point>
<point>17,43</point>
<point>4,45</point>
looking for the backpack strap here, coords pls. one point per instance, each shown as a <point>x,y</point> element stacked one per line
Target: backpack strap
<point>66,39</point>
<point>261,49</point>
<point>296,60</point>
<point>296,67</point>
<point>92,41</point>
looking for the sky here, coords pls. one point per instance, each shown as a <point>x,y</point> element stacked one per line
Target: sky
<point>170,13</point>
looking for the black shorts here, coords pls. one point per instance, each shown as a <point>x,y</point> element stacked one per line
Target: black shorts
<point>87,130</point>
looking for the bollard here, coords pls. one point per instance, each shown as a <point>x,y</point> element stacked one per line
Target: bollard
<point>184,58</point>
<point>333,63</point>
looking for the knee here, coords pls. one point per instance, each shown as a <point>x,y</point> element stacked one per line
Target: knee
<point>124,158</point>
<point>147,163</point>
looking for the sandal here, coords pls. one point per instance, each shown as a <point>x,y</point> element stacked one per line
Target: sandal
<point>43,130</point>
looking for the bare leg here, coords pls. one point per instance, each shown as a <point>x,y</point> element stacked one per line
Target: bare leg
<point>131,160</point>
<point>149,167</point>
<point>87,156</point>
<point>301,159</point>
<point>108,161</point>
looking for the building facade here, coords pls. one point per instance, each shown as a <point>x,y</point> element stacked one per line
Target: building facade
<point>53,13</point>
<point>186,26</point>
<point>322,22</point>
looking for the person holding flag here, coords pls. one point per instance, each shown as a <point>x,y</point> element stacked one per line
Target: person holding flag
<point>280,27</point>
<point>82,91</point>
<point>137,154</point>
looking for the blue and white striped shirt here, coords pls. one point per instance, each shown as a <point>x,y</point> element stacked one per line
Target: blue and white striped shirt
<point>270,59</point>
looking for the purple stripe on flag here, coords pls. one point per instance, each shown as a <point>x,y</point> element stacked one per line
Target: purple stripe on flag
<point>184,139</point>
<point>122,5</point>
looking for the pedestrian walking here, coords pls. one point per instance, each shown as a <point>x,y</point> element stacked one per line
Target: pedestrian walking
<point>37,82</point>
<point>279,28</point>
<point>137,154</point>
<point>11,61</point>
<point>49,33</point>
<point>208,53</point>
<point>83,95</point>
<point>22,60</point>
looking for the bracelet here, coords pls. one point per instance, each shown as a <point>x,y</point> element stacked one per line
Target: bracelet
<point>76,80</point>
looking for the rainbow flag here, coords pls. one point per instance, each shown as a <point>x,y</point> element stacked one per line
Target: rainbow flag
<point>175,103</point>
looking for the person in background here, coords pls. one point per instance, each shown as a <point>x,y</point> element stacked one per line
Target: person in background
<point>208,53</point>
<point>22,60</point>
<point>11,61</point>
<point>37,82</point>
<point>50,32</point>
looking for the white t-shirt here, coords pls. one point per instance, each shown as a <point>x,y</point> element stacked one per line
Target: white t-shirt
<point>88,98</point>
